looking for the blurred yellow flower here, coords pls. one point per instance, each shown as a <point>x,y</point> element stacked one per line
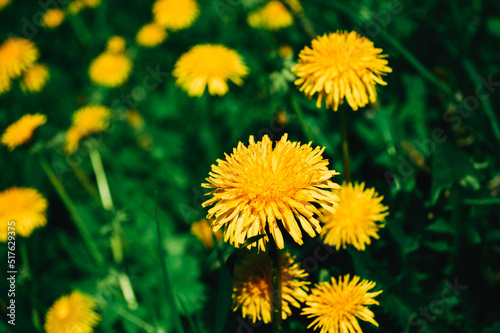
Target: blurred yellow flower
<point>257,186</point>
<point>294,5</point>
<point>86,120</point>
<point>341,65</point>
<point>252,286</point>
<point>91,3</point>
<point>75,6</point>
<point>16,55</point>
<point>151,35</point>
<point>22,130</point>
<point>134,119</point>
<point>26,207</point>
<point>116,44</point>
<point>110,69</point>
<point>72,313</point>
<point>4,3</point>
<point>337,306</point>
<point>204,233</point>
<point>211,65</point>
<point>285,51</point>
<point>52,18</point>
<point>5,82</point>
<point>359,216</point>
<point>175,14</point>
<point>273,16</point>
<point>35,78</point>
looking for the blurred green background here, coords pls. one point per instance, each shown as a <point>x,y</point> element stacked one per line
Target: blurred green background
<point>436,164</point>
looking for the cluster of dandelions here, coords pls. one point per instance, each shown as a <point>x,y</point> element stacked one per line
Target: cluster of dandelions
<point>266,189</point>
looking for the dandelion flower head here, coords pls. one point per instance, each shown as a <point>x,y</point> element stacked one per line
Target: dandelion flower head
<point>22,130</point>
<point>175,14</point>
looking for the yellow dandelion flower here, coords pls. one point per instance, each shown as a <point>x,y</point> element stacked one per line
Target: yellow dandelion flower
<point>151,35</point>
<point>359,216</point>
<point>110,70</point>
<point>91,3</point>
<point>116,44</point>
<point>285,51</point>
<point>211,65</point>
<point>52,18</point>
<point>16,55</point>
<point>252,286</point>
<point>74,7</point>
<point>35,78</point>
<point>22,130</point>
<point>5,82</point>
<point>4,3</point>
<point>86,120</point>
<point>341,65</point>
<point>204,233</point>
<point>72,313</point>
<point>175,14</point>
<point>257,186</point>
<point>26,207</point>
<point>337,306</point>
<point>273,16</point>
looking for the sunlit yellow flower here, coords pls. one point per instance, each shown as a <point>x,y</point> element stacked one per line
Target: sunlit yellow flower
<point>16,55</point>
<point>151,35</point>
<point>110,70</point>
<point>204,233</point>
<point>175,14</point>
<point>35,78</point>
<point>359,216</point>
<point>257,186</point>
<point>22,130</point>
<point>4,3</point>
<point>341,65</point>
<point>73,313</point>
<point>75,6</point>
<point>338,305</point>
<point>116,44</point>
<point>52,18</point>
<point>26,207</point>
<point>211,65</point>
<point>252,286</point>
<point>91,3</point>
<point>273,16</point>
<point>5,82</point>
<point>86,120</point>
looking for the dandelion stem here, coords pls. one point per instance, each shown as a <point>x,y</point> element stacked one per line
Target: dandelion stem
<point>80,224</point>
<point>304,21</point>
<point>276,297</point>
<point>302,122</point>
<point>102,182</point>
<point>169,293</point>
<point>23,249</point>
<point>345,145</point>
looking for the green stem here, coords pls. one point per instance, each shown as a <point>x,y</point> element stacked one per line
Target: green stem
<point>276,294</point>
<point>166,281</point>
<point>304,21</point>
<point>135,320</point>
<point>345,144</point>
<point>80,29</point>
<point>25,260</point>
<point>488,107</point>
<point>302,122</point>
<point>102,182</point>
<point>79,223</point>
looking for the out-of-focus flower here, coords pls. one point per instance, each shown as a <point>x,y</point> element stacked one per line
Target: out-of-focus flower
<point>273,16</point>
<point>4,3</point>
<point>116,44</point>
<point>337,306</point>
<point>175,14</point>
<point>75,6</point>
<point>91,3</point>
<point>25,207</point>
<point>252,291</point>
<point>209,65</point>
<point>35,78</point>
<point>258,186</point>
<point>22,130</point>
<point>359,216</point>
<point>151,35</point>
<point>341,65</point>
<point>72,313</point>
<point>204,233</point>
<point>86,120</point>
<point>285,51</point>
<point>135,120</point>
<point>16,55</point>
<point>52,18</point>
<point>110,69</point>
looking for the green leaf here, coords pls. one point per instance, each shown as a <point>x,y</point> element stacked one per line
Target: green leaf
<point>493,26</point>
